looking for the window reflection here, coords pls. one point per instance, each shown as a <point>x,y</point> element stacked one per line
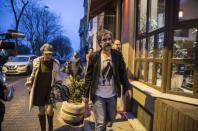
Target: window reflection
<point>137,48</point>
<point>149,68</point>
<point>160,45</point>
<point>156,14</point>
<point>143,48</point>
<point>189,8</point>
<point>142,7</point>
<point>136,69</point>
<point>158,76</point>
<point>142,70</point>
<point>185,43</point>
<point>182,77</point>
<point>151,46</point>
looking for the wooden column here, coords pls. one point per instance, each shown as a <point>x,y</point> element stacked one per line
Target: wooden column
<point>118,18</point>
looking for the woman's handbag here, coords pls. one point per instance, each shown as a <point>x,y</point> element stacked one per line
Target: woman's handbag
<point>66,68</point>
<point>59,93</point>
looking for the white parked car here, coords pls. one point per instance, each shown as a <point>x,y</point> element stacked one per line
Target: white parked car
<point>20,64</point>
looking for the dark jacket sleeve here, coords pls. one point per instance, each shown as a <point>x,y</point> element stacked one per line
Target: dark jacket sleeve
<point>123,75</point>
<point>2,88</point>
<point>81,67</point>
<point>89,76</point>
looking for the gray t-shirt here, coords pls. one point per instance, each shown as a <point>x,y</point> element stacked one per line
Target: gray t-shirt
<point>106,87</point>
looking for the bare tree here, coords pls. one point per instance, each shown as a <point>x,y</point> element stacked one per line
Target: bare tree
<point>40,26</point>
<point>17,14</point>
<point>28,25</point>
<point>62,45</point>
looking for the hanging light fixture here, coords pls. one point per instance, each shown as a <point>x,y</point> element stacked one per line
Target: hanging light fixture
<point>181,14</point>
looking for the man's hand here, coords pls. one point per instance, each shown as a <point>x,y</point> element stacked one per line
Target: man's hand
<point>28,86</point>
<point>129,94</point>
<point>84,99</point>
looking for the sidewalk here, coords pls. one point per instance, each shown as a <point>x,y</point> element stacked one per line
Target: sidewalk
<point>18,117</point>
<point>119,125</point>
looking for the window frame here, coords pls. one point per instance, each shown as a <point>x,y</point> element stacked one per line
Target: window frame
<point>171,23</point>
<point>186,24</point>
<point>155,60</point>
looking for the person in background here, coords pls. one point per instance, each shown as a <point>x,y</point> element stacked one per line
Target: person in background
<point>87,56</point>
<point>76,66</point>
<point>44,76</point>
<point>121,101</point>
<point>117,45</point>
<point>3,55</point>
<point>105,73</point>
<point>3,89</point>
<point>3,96</point>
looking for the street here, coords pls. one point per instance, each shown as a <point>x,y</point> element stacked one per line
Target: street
<point>18,117</point>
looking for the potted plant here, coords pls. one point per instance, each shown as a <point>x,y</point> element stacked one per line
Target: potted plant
<point>72,111</point>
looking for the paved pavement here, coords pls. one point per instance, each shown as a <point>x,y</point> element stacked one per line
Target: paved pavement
<point>18,118</point>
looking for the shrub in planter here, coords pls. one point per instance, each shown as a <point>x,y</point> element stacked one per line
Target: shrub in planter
<point>72,111</point>
<point>76,89</point>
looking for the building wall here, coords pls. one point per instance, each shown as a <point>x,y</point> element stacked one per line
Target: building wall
<point>91,37</point>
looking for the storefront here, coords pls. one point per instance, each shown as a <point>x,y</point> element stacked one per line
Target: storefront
<point>160,47</point>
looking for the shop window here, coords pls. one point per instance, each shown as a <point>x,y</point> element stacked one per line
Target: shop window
<point>143,48</point>
<point>137,48</point>
<point>156,14</point>
<point>160,45</point>
<point>158,76</point>
<point>136,69</point>
<point>142,70</point>
<point>188,10</point>
<point>182,78</point>
<point>149,69</point>
<point>142,9</point>
<point>151,46</point>
<point>150,43</point>
<point>167,55</point>
<point>185,43</point>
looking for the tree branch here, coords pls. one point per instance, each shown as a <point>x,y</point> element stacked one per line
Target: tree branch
<point>22,11</point>
<point>13,9</point>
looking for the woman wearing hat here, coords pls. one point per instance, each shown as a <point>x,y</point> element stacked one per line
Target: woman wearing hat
<point>44,75</point>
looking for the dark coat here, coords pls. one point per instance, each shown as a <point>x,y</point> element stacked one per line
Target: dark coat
<point>93,73</point>
<point>2,106</point>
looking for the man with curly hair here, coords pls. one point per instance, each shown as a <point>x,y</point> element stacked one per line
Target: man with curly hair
<point>105,73</point>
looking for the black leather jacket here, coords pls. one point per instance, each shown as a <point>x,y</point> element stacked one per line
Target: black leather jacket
<point>93,73</point>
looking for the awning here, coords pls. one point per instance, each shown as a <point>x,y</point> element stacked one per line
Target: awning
<point>95,7</point>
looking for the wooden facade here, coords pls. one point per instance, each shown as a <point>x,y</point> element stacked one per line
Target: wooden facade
<point>175,116</point>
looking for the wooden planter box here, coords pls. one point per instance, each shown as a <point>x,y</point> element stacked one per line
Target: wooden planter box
<point>175,116</point>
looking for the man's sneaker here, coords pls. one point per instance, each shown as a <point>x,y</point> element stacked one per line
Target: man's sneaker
<point>109,124</point>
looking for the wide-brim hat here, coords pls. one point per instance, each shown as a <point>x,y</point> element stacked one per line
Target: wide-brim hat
<point>46,48</point>
<point>48,52</point>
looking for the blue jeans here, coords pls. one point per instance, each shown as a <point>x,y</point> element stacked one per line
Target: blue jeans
<point>104,110</point>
